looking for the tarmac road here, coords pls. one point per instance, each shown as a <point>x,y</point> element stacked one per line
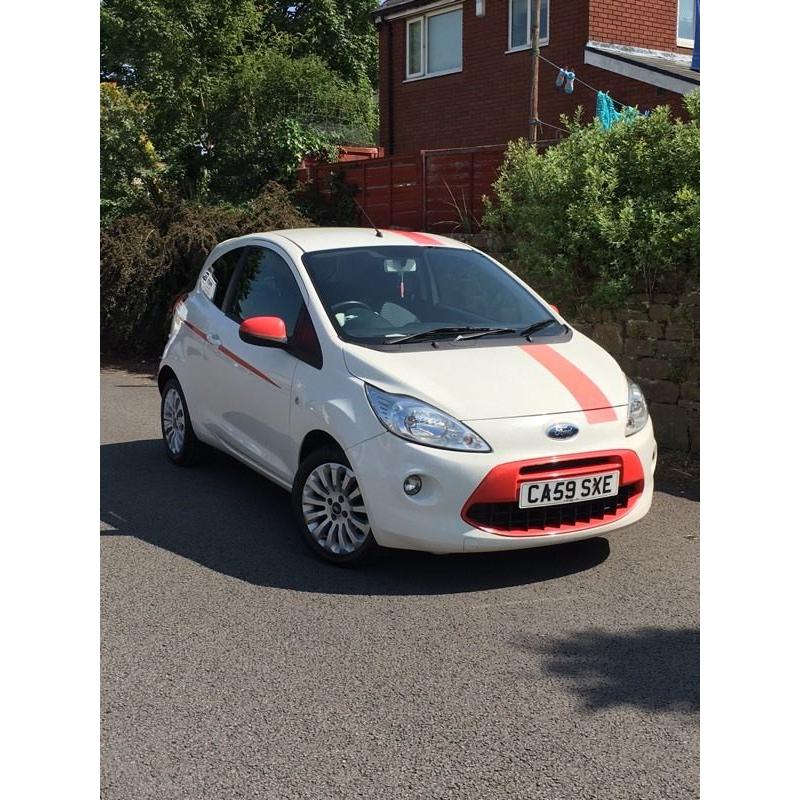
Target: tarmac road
<point>235,665</point>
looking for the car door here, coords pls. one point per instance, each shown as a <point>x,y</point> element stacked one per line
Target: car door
<point>253,397</point>
<point>206,365</point>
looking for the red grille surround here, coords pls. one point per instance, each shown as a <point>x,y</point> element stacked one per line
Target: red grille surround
<point>494,505</point>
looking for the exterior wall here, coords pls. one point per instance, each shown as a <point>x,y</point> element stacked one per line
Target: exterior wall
<point>488,101</point>
<point>648,23</point>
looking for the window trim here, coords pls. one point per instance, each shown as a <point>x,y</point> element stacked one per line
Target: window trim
<point>543,42</point>
<point>423,19</point>
<point>688,43</point>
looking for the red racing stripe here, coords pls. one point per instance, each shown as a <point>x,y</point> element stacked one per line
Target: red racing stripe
<point>231,355</point>
<point>242,362</point>
<point>418,238</point>
<point>195,329</point>
<point>590,397</point>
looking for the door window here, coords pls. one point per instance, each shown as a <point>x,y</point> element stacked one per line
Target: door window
<point>215,280</point>
<point>266,287</point>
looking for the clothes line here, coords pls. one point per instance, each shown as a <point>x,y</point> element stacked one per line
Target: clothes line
<point>578,80</point>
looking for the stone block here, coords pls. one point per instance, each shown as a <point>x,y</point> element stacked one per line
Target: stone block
<point>609,336</point>
<point>660,312</point>
<point>673,350</point>
<point>653,368</point>
<point>690,391</point>
<point>679,332</point>
<point>640,329</point>
<point>660,391</point>
<point>671,425</point>
<point>640,347</point>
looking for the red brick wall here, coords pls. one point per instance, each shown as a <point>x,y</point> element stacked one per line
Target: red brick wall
<point>646,23</point>
<point>487,103</point>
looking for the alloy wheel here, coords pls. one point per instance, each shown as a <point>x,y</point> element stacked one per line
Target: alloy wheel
<point>173,419</point>
<point>333,509</point>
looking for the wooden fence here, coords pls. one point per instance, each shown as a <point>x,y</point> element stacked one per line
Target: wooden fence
<point>435,190</point>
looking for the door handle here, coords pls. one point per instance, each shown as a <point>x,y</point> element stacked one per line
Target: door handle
<point>214,339</point>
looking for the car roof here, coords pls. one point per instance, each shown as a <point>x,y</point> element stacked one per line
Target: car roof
<point>312,239</point>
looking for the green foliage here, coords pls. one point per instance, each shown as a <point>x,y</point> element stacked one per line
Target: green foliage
<point>340,30</point>
<point>129,165</point>
<point>147,258</point>
<point>233,89</point>
<point>604,213</point>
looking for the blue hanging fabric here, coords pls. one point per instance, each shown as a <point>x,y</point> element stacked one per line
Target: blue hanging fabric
<point>607,113</point>
<point>605,110</point>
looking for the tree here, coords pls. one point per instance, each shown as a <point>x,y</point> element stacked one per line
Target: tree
<point>338,31</point>
<point>233,90</point>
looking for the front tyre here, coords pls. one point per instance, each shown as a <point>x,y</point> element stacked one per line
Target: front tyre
<point>181,444</point>
<point>329,509</point>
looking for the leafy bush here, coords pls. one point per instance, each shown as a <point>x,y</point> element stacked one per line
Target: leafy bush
<point>603,213</point>
<point>146,259</point>
<point>129,166</point>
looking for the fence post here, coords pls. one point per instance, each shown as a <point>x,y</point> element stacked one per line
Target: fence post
<point>423,185</point>
<point>391,192</point>
<point>471,208</point>
<point>364,192</point>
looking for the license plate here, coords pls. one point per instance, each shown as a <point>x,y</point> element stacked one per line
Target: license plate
<point>568,490</point>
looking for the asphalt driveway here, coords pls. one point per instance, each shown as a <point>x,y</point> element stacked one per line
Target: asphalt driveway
<point>235,665</point>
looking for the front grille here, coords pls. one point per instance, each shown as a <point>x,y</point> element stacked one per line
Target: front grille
<point>510,517</point>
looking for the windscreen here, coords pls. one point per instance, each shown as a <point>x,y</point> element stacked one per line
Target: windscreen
<point>380,295</point>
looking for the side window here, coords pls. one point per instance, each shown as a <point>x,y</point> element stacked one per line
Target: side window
<point>266,288</point>
<point>215,280</point>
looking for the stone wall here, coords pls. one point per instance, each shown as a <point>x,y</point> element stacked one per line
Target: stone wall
<point>656,342</point>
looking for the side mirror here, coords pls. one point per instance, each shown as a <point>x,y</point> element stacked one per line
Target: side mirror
<point>263,331</point>
<point>555,308</point>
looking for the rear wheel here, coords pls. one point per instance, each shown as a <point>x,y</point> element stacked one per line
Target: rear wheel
<point>176,426</point>
<point>329,508</point>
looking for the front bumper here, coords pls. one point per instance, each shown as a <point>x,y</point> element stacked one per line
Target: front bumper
<point>438,520</point>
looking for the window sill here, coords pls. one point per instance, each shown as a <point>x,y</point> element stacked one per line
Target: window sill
<point>686,43</point>
<point>522,48</point>
<point>433,75</point>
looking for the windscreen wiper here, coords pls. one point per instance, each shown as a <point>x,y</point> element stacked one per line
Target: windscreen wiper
<point>437,332</point>
<point>537,326</point>
<point>487,332</point>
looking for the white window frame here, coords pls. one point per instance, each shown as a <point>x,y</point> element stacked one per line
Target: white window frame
<point>527,46</point>
<point>681,42</point>
<point>423,18</point>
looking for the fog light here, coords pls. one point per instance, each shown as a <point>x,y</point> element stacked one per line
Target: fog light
<point>412,484</point>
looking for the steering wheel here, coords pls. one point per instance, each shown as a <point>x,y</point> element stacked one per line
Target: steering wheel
<point>349,304</point>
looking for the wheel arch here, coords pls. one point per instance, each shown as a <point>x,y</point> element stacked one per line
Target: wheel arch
<point>164,374</point>
<point>314,440</point>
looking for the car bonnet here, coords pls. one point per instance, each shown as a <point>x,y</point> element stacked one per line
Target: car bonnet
<point>474,382</point>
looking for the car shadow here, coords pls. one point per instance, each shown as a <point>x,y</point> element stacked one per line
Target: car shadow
<point>227,518</point>
<point>651,668</point>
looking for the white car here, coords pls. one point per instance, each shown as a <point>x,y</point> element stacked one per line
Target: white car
<point>409,390</point>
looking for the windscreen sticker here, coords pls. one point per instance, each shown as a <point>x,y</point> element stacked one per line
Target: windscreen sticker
<point>208,284</point>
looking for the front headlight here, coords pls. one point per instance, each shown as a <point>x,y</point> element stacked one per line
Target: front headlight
<point>637,409</point>
<point>421,423</point>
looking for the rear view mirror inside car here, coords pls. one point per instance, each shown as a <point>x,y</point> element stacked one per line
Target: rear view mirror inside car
<point>398,265</point>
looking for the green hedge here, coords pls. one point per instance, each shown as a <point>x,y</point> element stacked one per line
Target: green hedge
<point>147,259</point>
<point>604,213</point>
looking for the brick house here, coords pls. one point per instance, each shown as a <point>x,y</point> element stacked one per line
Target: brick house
<point>458,73</point>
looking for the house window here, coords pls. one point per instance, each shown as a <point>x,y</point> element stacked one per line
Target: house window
<point>686,23</point>
<point>433,44</point>
<point>519,23</point>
